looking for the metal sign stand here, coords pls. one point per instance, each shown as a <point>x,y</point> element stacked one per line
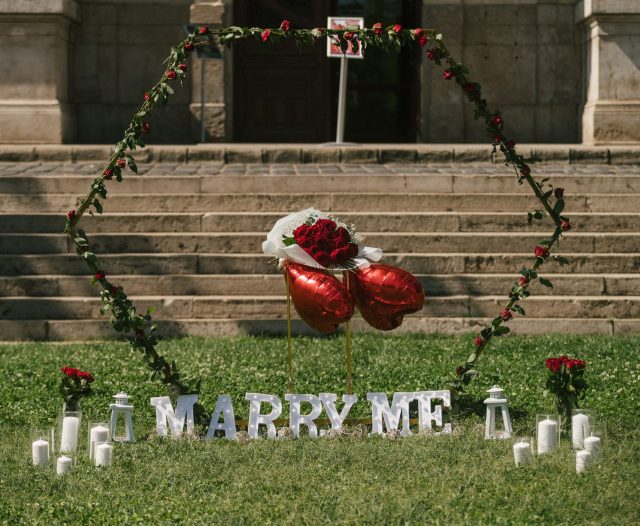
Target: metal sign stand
<point>333,51</point>
<point>203,63</point>
<point>342,100</point>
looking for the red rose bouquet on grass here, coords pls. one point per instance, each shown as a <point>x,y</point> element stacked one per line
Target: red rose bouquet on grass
<point>565,380</point>
<point>74,384</point>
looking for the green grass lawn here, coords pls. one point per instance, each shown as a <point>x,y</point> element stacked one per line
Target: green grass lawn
<point>457,479</point>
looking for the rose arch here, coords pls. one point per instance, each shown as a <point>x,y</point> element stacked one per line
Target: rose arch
<point>139,327</point>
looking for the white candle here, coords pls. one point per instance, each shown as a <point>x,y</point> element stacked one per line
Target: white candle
<point>547,435</point>
<point>594,446</point>
<point>40,452</point>
<point>69,439</point>
<point>583,460</point>
<point>98,434</point>
<point>104,454</point>
<point>63,465</point>
<point>522,453</point>
<point>579,429</point>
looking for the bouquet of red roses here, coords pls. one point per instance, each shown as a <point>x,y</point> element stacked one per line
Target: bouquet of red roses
<point>74,384</point>
<point>311,247</point>
<point>325,241</point>
<point>318,240</point>
<point>565,379</point>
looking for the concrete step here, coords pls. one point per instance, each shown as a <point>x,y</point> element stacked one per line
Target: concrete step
<point>299,183</point>
<point>251,307</point>
<point>83,330</point>
<point>262,222</point>
<point>156,264</point>
<point>314,153</point>
<point>361,202</point>
<point>270,285</point>
<point>250,243</point>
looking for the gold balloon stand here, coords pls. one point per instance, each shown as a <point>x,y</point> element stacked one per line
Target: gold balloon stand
<point>347,340</point>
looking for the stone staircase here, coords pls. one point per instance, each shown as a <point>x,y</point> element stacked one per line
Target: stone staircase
<point>186,238</point>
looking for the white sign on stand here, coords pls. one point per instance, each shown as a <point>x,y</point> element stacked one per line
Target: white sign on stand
<point>334,51</point>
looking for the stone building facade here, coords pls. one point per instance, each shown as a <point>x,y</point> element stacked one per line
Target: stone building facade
<point>562,71</point>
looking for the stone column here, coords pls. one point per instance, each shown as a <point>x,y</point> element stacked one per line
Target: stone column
<point>612,108</point>
<point>218,92</point>
<point>34,88</point>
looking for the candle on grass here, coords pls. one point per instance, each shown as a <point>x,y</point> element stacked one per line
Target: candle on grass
<point>104,454</point>
<point>583,460</point>
<point>522,453</point>
<point>69,439</point>
<point>579,429</point>
<point>40,452</point>
<point>98,434</point>
<point>547,435</point>
<point>594,446</point>
<point>63,465</point>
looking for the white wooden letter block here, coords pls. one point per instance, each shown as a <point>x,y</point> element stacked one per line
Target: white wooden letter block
<point>176,420</point>
<point>427,416</point>
<point>380,411</point>
<point>224,407</point>
<point>296,419</point>
<point>329,402</point>
<point>256,419</point>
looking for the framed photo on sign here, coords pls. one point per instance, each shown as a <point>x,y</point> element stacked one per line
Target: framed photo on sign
<point>337,22</point>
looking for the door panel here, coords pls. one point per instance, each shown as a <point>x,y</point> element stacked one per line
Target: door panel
<point>281,93</point>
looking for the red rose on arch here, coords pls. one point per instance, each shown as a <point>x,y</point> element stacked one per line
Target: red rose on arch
<point>285,25</point>
<point>541,252</point>
<point>377,28</point>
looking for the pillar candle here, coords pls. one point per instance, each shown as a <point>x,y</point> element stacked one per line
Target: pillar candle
<point>63,465</point>
<point>547,435</point>
<point>69,439</point>
<point>98,434</point>
<point>522,453</point>
<point>583,459</point>
<point>40,452</point>
<point>579,429</point>
<point>594,446</point>
<point>104,454</point>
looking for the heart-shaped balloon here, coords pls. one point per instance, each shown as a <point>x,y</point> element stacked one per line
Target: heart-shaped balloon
<point>321,300</point>
<point>384,294</point>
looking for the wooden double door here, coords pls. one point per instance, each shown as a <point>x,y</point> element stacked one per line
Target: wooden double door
<point>285,94</point>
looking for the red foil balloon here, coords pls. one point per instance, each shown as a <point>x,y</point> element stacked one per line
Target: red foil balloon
<point>321,300</point>
<point>384,294</point>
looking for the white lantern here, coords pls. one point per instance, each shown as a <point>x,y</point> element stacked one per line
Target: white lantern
<point>497,400</point>
<point>122,407</point>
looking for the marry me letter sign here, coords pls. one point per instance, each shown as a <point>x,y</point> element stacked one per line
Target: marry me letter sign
<point>305,412</point>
